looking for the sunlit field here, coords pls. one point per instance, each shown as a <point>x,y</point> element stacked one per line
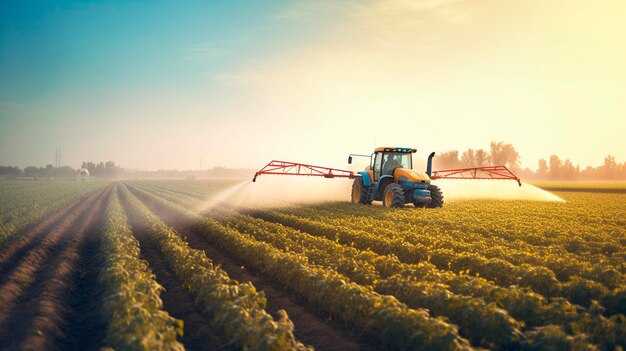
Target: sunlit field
<point>122,260</point>
<point>394,175</point>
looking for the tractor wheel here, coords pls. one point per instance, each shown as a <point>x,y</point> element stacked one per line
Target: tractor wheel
<point>436,196</point>
<point>359,192</point>
<point>394,196</point>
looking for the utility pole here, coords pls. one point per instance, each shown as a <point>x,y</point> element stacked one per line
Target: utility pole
<point>57,158</point>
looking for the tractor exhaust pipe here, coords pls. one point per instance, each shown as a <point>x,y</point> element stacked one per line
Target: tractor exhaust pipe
<point>429,166</point>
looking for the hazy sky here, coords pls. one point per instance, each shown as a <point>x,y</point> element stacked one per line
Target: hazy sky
<point>163,84</point>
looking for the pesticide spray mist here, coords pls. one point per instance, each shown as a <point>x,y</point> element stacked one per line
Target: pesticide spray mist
<point>460,189</point>
<point>277,191</point>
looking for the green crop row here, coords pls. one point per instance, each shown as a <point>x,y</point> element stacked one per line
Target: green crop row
<point>132,306</point>
<point>24,204</point>
<point>501,272</point>
<point>236,308</point>
<point>588,225</point>
<point>439,237</point>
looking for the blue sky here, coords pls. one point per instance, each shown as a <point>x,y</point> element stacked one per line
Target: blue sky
<point>78,47</point>
<point>163,84</point>
<point>56,55</point>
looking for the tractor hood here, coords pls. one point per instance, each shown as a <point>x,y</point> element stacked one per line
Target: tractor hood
<point>410,175</point>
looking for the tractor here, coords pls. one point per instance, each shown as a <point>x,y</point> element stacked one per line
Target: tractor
<point>390,178</point>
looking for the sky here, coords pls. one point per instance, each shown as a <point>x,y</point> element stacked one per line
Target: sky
<point>184,84</point>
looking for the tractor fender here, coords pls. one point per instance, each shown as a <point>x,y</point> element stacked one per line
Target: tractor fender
<point>380,186</point>
<point>367,179</point>
<point>386,179</point>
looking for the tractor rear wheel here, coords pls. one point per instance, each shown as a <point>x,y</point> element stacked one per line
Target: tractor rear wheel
<point>394,196</point>
<point>359,192</point>
<point>436,196</point>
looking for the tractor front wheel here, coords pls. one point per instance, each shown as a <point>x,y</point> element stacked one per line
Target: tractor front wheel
<point>394,196</point>
<point>359,192</point>
<point>436,196</point>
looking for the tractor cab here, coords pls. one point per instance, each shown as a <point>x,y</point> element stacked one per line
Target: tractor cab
<point>385,160</point>
<point>390,178</point>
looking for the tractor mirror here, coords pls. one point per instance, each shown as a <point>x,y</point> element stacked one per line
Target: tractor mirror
<point>349,160</point>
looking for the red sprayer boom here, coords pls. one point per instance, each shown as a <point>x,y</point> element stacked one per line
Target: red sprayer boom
<point>487,172</point>
<point>292,168</point>
<point>301,169</point>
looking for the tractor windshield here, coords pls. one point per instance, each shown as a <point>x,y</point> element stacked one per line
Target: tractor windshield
<point>393,160</point>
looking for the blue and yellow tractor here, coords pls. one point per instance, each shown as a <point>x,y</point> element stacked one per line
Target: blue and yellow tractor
<point>390,178</point>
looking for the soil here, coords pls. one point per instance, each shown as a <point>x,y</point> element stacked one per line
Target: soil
<point>38,304</point>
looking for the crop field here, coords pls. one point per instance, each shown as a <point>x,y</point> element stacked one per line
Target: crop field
<point>159,265</point>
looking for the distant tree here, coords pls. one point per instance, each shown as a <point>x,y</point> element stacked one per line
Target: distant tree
<point>589,173</point>
<point>100,170</point>
<point>91,167</point>
<point>555,167</point>
<point>504,154</point>
<point>568,171</point>
<point>610,167</point>
<point>65,171</point>
<point>468,159</point>
<point>48,171</point>
<point>526,173</point>
<point>32,171</point>
<point>448,159</point>
<point>542,170</point>
<point>481,158</point>
<point>10,171</point>
<point>111,170</point>
<point>106,169</point>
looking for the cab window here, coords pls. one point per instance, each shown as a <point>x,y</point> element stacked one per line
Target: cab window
<point>393,160</point>
<point>378,163</point>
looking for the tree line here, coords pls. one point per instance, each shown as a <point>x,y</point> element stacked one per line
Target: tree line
<point>48,171</point>
<point>553,168</point>
<point>109,169</point>
<point>101,169</point>
<point>106,169</point>
<point>499,153</point>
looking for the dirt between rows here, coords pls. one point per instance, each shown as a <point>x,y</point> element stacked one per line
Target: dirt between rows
<point>311,327</point>
<point>178,302</point>
<point>40,293</point>
<point>29,238</point>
